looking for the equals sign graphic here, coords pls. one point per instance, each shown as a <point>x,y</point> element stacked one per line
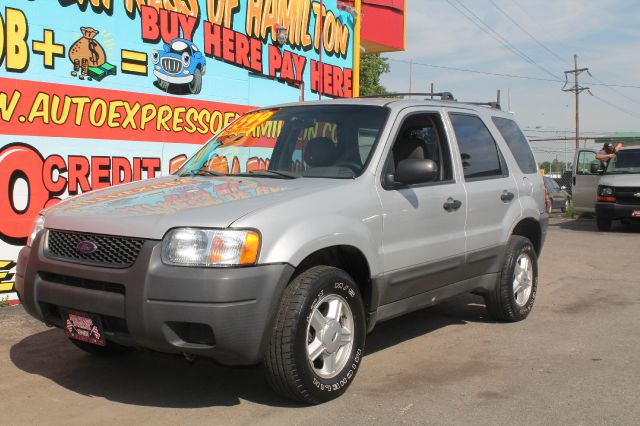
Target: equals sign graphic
<point>133,62</point>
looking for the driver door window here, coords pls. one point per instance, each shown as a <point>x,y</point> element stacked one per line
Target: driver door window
<point>422,137</point>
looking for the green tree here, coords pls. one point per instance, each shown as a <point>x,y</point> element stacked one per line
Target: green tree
<point>372,66</point>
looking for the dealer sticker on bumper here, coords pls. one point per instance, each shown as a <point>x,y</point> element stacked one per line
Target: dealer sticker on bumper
<point>84,327</point>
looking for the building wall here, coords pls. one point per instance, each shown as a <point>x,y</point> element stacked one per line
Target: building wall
<point>81,107</point>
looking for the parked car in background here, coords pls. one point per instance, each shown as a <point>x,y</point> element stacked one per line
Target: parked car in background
<point>557,196</point>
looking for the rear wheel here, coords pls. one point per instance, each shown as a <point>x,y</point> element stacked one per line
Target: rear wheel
<point>604,223</point>
<point>318,339</point>
<point>111,349</point>
<point>566,205</point>
<point>514,295</point>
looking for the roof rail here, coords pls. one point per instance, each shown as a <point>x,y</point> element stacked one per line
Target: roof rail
<point>445,96</point>
<point>494,105</point>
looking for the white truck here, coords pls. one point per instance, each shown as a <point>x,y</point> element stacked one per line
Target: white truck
<point>612,192</point>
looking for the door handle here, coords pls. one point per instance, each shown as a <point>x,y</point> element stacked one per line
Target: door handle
<point>452,205</point>
<point>506,196</point>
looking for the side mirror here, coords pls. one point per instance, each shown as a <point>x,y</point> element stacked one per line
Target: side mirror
<point>412,171</point>
<point>596,169</point>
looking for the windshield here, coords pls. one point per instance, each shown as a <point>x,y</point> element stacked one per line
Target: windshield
<point>329,141</point>
<point>626,161</point>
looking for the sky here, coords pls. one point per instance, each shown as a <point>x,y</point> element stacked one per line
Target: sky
<point>535,39</point>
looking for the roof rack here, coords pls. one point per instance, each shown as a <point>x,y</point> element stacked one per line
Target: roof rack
<point>445,96</point>
<point>494,105</point>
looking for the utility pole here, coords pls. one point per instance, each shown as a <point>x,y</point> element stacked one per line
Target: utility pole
<point>576,89</point>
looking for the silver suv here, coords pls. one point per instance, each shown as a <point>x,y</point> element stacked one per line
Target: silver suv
<point>295,230</point>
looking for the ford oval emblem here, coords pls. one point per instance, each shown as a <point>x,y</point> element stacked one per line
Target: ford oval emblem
<point>86,247</point>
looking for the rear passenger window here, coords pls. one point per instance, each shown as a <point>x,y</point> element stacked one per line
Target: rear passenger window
<point>517,143</point>
<point>479,152</point>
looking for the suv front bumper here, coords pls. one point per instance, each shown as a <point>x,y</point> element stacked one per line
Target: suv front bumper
<point>221,313</point>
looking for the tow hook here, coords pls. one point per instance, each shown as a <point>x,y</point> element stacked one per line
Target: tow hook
<point>189,357</point>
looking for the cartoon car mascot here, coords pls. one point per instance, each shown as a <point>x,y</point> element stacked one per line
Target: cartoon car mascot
<point>179,63</point>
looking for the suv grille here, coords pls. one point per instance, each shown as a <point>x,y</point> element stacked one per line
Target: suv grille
<point>171,65</point>
<point>627,195</point>
<point>112,252</point>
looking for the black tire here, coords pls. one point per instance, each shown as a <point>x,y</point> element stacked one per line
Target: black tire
<point>550,206</point>
<point>287,365</point>
<point>565,207</point>
<point>603,223</point>
<point>196,84</point>
<point>501,302</point>
<point>111,349</point>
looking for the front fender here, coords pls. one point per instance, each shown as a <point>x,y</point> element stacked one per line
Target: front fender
<point>307,236</point>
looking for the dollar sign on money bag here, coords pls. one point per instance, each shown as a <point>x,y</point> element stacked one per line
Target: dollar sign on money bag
<point>87,48</point>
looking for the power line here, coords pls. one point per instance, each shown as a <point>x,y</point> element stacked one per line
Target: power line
<point>469,70</point>
<point>496,74</point>
<point>495,35</point>
<point>601,83</point>
<point>528,33</point>
<point>611,87</point>
<point>614,106</point>
<point>537,22</point>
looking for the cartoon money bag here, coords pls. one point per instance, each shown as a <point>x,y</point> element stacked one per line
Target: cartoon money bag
<point>86,53</point>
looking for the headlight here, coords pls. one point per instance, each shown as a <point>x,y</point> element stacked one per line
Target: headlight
<point>606,191</point>
<point>38,225</point>
<point>210,247</point>
<point>186,59</point>
<point>155,56</point>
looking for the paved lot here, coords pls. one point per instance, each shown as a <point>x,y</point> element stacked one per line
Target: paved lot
<point>573,362</point>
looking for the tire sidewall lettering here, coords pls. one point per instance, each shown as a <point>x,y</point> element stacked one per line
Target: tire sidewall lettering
<point>343,379</point>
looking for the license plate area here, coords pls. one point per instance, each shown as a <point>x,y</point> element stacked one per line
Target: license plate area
<point>83,326</point>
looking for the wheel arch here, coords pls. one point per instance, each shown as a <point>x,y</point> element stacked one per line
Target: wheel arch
<point>530,229</point>
<point>346,257</point>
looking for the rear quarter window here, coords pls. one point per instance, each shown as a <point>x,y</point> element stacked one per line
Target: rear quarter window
<point>518,144</point>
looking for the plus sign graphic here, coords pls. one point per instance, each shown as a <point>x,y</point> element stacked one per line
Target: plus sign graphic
<point>48,48</point>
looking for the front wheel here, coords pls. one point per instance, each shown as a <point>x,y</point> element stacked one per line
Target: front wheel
<point>318,339</point>
<point>514,295</point>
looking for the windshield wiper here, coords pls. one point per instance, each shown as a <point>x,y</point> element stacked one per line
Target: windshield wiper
<point>271,173</point>
<point>201,172</point>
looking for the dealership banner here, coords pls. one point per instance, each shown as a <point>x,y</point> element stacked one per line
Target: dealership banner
<point>95,93</point>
